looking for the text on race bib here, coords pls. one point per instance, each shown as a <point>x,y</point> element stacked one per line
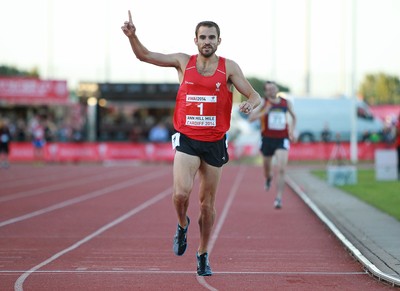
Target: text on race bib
<point>276,120</point>
<point>201,110</point>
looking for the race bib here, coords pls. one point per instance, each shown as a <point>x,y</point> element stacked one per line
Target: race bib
<point>201,110</point>
<point>276,120</point>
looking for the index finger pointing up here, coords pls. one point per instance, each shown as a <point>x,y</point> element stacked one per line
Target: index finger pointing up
<point>130,16</point>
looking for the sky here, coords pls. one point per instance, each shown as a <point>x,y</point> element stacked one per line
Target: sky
<point>282,40</point>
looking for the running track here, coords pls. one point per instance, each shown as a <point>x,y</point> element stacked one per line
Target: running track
<point>93,227</point>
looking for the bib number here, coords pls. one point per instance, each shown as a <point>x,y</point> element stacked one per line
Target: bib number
<point>201,110</point>
<point>277,120</point>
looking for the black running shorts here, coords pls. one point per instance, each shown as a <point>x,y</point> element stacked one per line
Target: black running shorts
<point>213,153</point>
<point>270,145</point>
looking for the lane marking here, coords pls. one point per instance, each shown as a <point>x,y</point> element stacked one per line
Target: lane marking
<point>18,286</point>
<point>42,177</point>
<point>62,186</point>
<point>232,193</point>
<point>85,197</point>
<point>353,249</point>
<point>227,206</point>
<point>159,272</point>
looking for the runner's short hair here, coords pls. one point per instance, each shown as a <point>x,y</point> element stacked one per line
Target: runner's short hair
<point>269,82</point>
<point>207,24</point>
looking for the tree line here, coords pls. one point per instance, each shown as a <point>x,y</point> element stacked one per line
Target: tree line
<point>12,71</point>
<point>380,89</point>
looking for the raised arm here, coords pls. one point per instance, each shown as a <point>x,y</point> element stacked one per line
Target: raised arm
<point>177,60</point>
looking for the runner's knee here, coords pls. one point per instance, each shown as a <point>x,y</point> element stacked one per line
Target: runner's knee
<point>181,196</point>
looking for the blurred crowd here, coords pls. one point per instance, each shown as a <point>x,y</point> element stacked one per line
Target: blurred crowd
<point>21,130</point>
<point>134,126</point>
<point>139,129</point>
<point>387,135</point>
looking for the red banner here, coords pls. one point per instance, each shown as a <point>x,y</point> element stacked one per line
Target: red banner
<point>333,151</point>
<point>111,151</point>
<point>33,91</point>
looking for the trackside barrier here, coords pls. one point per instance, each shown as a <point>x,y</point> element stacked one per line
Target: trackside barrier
<point>386,165</point>
<point>163,152</point>
<point>341,175</point>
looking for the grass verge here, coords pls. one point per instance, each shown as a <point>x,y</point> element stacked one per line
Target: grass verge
<point>384,195</point>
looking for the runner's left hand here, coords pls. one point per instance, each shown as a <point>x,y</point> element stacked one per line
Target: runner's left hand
<point>246,107</point>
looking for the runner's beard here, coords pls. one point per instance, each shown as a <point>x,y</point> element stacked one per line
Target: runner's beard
<point>207,52</point>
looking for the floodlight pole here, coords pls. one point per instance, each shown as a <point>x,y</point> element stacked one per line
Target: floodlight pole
<point>307,80</point>
<point>353,89</point>
<point>50,39</point>
<point>273,40</point>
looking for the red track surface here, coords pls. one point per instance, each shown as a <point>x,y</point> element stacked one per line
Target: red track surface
<point>90,227</point>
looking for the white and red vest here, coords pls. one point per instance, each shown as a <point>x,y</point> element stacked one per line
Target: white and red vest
<point>203,103</point>
<point>275,124</point>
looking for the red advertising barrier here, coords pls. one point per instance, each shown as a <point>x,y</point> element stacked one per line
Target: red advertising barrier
<point>109,151</point>
<point>328,151</point>
<point>33,91</point>
<point>93,152</point>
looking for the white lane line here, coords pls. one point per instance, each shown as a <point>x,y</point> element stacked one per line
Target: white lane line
<point>18,286</point>
<point>221,221</point>
<point>227,206</point>
<point>159,272</point>
<point>62,186</point>
<point>352,248</point>
<point>85,197</point>
<point>43,177</point>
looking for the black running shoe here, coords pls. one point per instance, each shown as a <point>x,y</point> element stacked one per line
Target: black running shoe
<point>268,184</point>
<point>203,265</point>
<point>180,241</point>
<point>278,203</point>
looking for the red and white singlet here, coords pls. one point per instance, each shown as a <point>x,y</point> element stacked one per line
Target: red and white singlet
<point>275,124</point>
<point>203,103</point>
